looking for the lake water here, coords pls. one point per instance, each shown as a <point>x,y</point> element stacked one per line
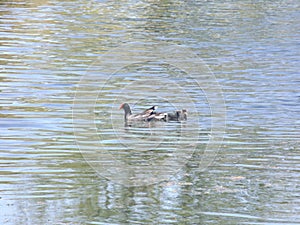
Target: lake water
<point>66,156</point>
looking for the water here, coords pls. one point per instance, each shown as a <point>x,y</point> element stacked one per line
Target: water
<point>65,155</point>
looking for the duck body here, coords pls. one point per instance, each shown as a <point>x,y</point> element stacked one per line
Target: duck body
<point>160,116</point>
<point>147,115</point>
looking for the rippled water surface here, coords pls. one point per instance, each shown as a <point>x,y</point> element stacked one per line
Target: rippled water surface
<point>66,156</point>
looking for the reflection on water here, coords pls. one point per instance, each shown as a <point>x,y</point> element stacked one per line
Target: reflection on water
<point>48,46</point>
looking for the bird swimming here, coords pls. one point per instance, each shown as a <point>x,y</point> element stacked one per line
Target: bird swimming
<point>150,114</point>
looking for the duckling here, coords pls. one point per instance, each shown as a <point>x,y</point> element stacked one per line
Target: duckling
<point>178,115</point>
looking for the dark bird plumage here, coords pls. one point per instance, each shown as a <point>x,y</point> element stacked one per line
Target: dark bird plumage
<point>146,115</point>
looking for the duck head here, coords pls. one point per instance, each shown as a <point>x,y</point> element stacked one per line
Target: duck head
<point>126,109</point>
<point>184,114</point>
<point>181,115</point>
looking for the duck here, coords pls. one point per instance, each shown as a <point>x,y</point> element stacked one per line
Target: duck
<point>147,115</point>
<point>150,115</point>
<point>178,115</point>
